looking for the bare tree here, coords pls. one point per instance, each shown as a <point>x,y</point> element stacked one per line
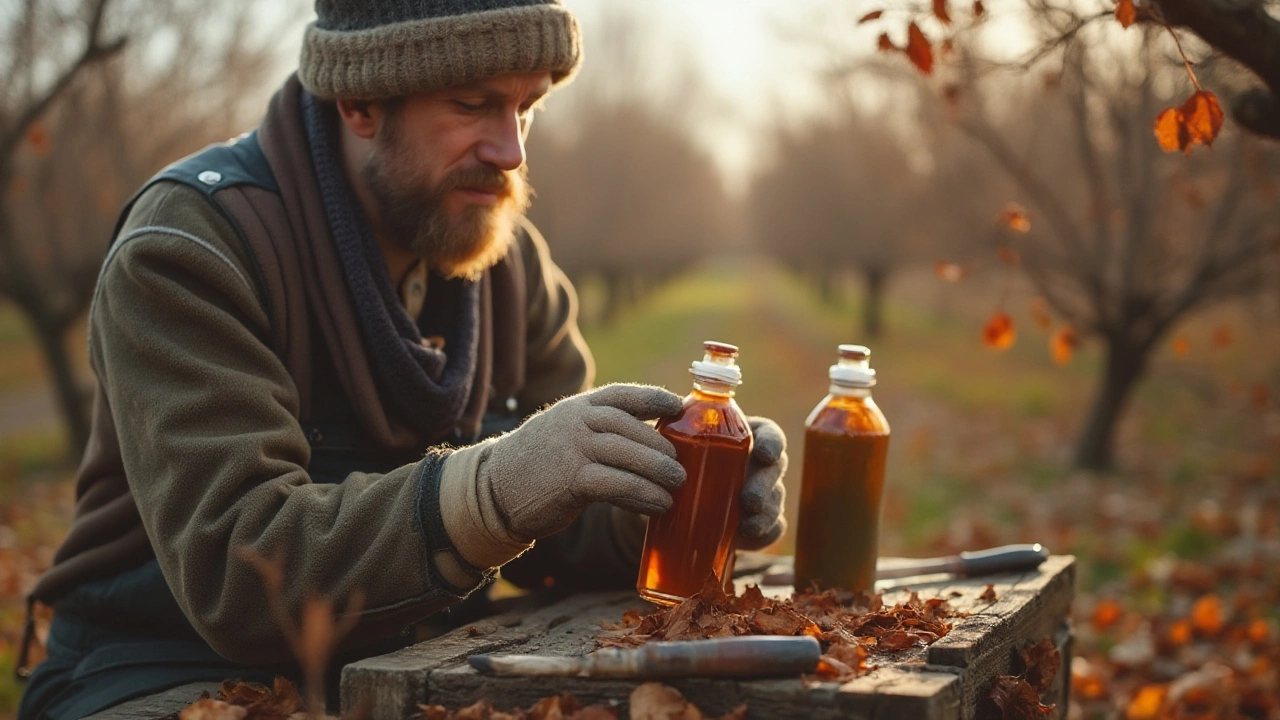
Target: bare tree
<point>80,131</point>
<point>840,196</point>
<point>1130,241</point>
<point>624,190</point>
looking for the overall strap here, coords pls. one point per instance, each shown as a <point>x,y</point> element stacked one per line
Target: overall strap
<point>217,167</point>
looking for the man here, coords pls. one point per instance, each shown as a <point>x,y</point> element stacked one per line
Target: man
<point>296,337</point>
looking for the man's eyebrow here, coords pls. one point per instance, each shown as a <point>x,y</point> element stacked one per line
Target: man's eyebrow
<point>493,94</point>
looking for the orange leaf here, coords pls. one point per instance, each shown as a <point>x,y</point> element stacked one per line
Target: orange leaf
<point>1180,633</point>
<point>1146,704</point>
<point>1015,217</point>
<point>950,272</point>
<point>1085,680</point>
<point>873,15</point>
<point>1260,396</point>
<point>1126,13</point>
<point>39,139</point>
<point>1170,131</point>
<point>1259,631</point>
<point>940,11</point>
<point>1202,116</point>
<point>999,332</point>
<point>1107,613</point>
<point>918,49</point>
<point>1181,347</point>
<point>1063,344</point>
<point>885,43</point>
<point>1222,337</point>
<point>1206,615</point>
<point>1040,313</point>
<point>1008,256</point>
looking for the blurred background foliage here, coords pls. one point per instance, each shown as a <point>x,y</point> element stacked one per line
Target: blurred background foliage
<point>1145,441</point>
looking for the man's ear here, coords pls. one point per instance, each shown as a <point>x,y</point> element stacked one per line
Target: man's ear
<point>361,116</point>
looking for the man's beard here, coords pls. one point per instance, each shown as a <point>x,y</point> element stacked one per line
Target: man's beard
<point>413,214</point>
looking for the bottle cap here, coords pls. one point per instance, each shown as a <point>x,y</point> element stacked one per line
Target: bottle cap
<point>719,364</point>
<point>853,368</point>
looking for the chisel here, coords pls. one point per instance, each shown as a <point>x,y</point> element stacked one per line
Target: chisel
<point>745,656</point>
<point>993,561</point>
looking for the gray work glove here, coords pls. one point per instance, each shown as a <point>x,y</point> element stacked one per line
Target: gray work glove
<point>498,496</point>
<point>762,522</point>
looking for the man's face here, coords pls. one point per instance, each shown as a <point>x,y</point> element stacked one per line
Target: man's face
<point>447,171</point>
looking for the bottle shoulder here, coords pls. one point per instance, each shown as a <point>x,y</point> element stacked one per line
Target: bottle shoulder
<point>707,415</point>
<point>847,415</point>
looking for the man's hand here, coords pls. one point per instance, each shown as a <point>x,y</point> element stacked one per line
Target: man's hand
<point>762,521</point>
<point>498,496</point>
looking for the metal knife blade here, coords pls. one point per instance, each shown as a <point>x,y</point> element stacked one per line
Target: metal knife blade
<point>992,561</point>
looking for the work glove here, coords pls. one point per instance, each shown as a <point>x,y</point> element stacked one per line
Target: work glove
<point>761,522</point>
<point>500,495</point>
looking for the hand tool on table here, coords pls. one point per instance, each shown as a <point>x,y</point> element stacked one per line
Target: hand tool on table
<point>993,561</point>
<point>745,656</point>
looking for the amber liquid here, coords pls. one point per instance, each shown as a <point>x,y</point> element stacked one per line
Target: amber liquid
<point>695,537</point>
<point>846,441</point>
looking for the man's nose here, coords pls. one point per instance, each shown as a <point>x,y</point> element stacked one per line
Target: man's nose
<point>503,145</point>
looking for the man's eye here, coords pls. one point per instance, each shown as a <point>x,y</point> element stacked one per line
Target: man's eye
<point>469,106</point>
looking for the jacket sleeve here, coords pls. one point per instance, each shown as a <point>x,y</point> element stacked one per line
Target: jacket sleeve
<point>216,458</point>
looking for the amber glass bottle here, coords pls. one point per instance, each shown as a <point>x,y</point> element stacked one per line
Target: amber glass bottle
<point>846,440</point>
<point>713,442</point>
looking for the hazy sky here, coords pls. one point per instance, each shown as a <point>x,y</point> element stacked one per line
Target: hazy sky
<point>758,57</point>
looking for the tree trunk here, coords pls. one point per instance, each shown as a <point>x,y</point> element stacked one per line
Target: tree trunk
<point>874,278</point>
<point>1125,365</point>
<point>53,342</point>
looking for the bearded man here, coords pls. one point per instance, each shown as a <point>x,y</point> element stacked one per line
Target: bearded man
<point>320,342</point>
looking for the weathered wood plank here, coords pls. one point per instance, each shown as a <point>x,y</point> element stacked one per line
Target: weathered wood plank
<point>161,705</point>
<point>944,682</point>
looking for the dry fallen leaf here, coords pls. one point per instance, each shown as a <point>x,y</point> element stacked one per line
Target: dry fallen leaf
<point>1042,662</point>
<point>1196,121</point>
<point>1016,218</point>
<point>210,709</point>
<point>918,49</point>
<point>873,15</point>
<point>999,332</point>
<point>1063,344</point>
<point>1016,698</point>
<point>1126,13</point>
<point>989,594</point>
<point>940,11</point>
<point>655,701</point>
<point>951,272</point>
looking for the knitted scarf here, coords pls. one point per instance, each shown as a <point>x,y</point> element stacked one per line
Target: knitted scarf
<point>425,387</point>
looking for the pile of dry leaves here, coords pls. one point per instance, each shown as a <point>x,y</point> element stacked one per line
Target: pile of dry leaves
<point>851,627</point>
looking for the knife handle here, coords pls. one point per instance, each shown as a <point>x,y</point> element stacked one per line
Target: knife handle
<point>1003,559</point>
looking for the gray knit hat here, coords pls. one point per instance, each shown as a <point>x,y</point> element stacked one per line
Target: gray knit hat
<point>372,49</point>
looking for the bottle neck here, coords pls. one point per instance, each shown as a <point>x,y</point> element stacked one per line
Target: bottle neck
<point>846,391</point>
<point>707,386</point>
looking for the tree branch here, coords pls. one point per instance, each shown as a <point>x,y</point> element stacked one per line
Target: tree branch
<point>1244,31</point>
<point>95,50</point>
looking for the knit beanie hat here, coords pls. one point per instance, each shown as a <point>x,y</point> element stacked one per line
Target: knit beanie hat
<point>377,49</point>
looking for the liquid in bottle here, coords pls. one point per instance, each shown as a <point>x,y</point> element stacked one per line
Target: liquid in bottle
<point>713,442</point>
<point>846,442</point>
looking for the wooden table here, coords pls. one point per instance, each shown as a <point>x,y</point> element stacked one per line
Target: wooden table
<point>949,679</point>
